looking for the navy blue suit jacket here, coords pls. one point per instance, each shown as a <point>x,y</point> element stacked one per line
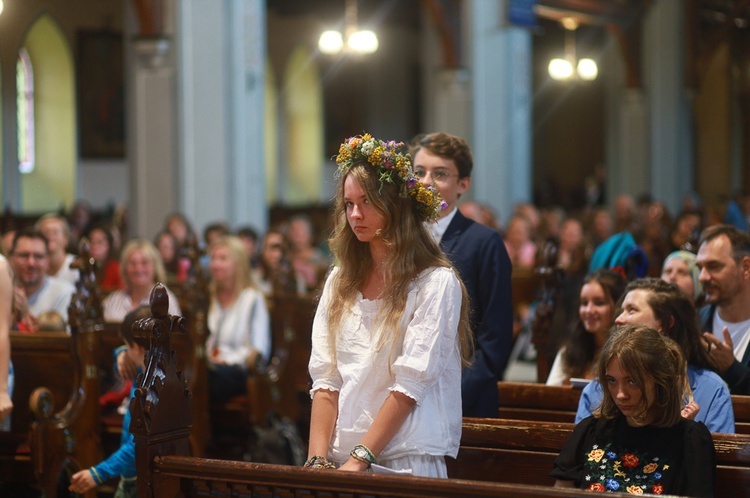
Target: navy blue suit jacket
<point>478,254</point>
<point>737,376</point>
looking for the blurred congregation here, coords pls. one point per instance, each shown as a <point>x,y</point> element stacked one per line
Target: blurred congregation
<point>198,145</point>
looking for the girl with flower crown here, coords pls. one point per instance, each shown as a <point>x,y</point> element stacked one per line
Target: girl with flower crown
<point>638,441</point>
<point>391,332</point>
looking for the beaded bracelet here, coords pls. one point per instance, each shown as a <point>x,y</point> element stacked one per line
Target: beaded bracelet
<point>319,462</point>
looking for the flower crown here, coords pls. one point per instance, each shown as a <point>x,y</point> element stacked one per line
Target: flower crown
<point>393,167</point>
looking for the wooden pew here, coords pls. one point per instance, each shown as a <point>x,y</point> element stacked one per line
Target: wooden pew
<point>175,476</point>
<point>38,360</point>
<point>68,440</point>
<point>532,401</point>
<point>524,452</point>
<point>741,407</point>
<point>162,418</point>
<point>540,402</point>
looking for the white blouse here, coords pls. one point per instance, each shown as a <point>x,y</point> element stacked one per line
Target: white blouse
<point>425,365</point>
<point>238,329</point>
<point>118,304</point>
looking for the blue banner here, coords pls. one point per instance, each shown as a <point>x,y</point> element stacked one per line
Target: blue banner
<point>521,13</point>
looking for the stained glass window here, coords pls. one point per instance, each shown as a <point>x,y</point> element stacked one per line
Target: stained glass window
<point>25,95</point>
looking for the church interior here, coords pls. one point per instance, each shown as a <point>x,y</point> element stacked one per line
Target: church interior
<point>593,116</point>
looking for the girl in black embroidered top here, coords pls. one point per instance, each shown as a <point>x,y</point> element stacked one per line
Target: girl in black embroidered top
<point>638,442</point>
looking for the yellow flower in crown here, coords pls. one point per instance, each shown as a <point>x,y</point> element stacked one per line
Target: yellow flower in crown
<point>392,167</point>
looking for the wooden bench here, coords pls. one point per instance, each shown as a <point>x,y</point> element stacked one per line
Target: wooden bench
<point>523,452</point>
<point>531,401</point>
<point>38,361</point>
<point>65,437</point>
<point>187,477</point>
<point>540,402</point>
<point>162,418</point>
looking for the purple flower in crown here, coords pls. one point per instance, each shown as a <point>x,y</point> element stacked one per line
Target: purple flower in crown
<point>410,182</point>
<point>443,206</point>
<point>388,159</point>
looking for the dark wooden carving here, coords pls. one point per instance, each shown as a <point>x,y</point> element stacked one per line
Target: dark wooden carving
<point>69,440</point>
<point>550,275</point>
<point>161,409</point>
<point>194,301</point>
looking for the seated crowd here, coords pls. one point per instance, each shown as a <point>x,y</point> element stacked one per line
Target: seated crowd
<point>687,297</point>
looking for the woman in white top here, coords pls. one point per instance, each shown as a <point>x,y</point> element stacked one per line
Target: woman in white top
<point>391,332</point>
<point>141,268</point>
<point>600,292</point>
<point>240,329</point>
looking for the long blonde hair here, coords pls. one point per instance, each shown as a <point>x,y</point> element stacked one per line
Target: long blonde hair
<point>240,258</point>
<point>150,252</point>
<point>412,250</point>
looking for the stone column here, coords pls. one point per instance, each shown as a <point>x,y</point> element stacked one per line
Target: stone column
<point>672,167</point>
<point>500,66</point>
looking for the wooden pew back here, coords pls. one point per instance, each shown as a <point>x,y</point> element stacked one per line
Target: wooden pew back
<point>533,401</point>
<point>524,452</point>
<point>176,476</point>
<point>39,360</point>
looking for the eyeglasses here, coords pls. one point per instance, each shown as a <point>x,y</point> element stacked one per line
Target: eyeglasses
<point>439,175</point>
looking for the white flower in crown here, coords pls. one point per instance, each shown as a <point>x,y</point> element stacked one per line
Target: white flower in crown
<point>368,147</point>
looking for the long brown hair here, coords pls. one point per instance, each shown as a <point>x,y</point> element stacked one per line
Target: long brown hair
<point>648,356</point>
<point>412,250</point>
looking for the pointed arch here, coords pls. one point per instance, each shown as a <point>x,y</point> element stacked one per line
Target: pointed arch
<point>303,117</point>
<point>53,181</point>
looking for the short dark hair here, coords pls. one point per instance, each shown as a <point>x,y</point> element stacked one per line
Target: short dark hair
<point>446,146</point>
<point>218,226</point>
<point>740,240</point>
<point>29,233</point>
<point>248,233</point>
<point>126,327</point>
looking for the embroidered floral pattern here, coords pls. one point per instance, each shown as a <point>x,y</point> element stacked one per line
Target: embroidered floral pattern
<point>636,474</point>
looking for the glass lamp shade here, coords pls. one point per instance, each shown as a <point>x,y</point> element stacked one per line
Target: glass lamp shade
<point>587,69</point>
<point>560,69</point>
<point>330,42</point>
<point>363,42</point>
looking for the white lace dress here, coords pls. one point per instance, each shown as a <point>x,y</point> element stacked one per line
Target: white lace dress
<point>425,365</point>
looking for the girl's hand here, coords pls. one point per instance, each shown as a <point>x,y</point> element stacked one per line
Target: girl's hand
<point>690,410</point>
<point>353,465</point>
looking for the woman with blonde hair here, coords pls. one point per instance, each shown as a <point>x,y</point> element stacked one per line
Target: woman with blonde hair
<point>638,441</point>
<point>238,320</point>
<point>141,268</point>
<point>391,332</point>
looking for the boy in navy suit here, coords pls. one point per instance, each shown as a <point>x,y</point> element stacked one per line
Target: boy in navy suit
<point>479,255</point>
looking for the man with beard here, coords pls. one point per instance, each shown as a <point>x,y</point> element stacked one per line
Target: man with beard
<point>724,260</point>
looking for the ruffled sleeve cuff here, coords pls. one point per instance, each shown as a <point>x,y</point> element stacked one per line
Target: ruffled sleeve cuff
<point>414,391</point>
<point>326,384</point>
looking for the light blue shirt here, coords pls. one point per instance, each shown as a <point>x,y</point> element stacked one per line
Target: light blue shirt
<point>709,391</point>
